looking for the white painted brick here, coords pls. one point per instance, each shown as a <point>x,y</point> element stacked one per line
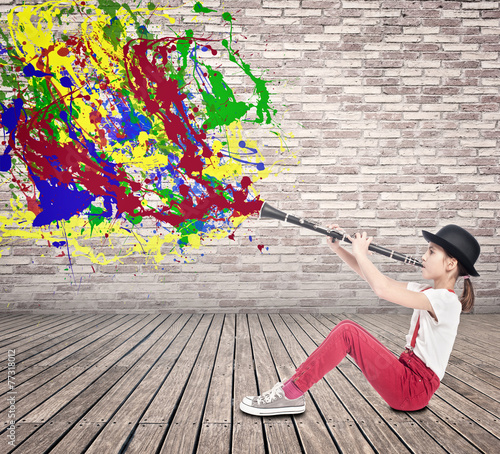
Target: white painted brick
<point>320,106</point>
<point>438,196</point>
<point>302,46</point>
<point>423,64</point>
<point>461,99</point>
<point>480,90</point>
<point>321,72</point>
<point>479,143</point>
<point>490,31</point>
<point>322,38</point>
<point>333,188</point>
<point>399,196</point>
<point>475,214</point>
<point>384,98</point>
<point>481,5</point>
<point>360,125</point>
<point>443,72</point>
<point>357,178</point>
<point>342,30</point>
<point>477,125</point>
<point>382,133</point>
<point>418,205</point>
<point>427,161</point>
<point>356,214</point>
<point>421,116</point>
<point>303,12</point>
<point>480,55</point>
<point>347,117</point>
<point>289,54</point>
<point>365,55</point>
<point>344,63</point>
<point>404,72</point>
<point>362,143</point>
<point>479,180</point>
<point>396,232</point>
<point>481,23</point>
<point>280,20</point>
<point>441,39</point>
<point>400,161</point>
<point>490,64</point>
<point>382,13</point>
<point>385,170</point>
<point>461,134</point>
<point>420,81</point>
<point>458,169</point>
<point>421,30</point>
<point>282,4</point>
<point>490,82</point>
<point>489,205</point>
<point>362,90</point>
<point>402,107</point>
<point>440,107</point>
<point>350,81</point>
<point>460,47</point>
<point>363,21</point>
<point>361,5</point>
<point>402,39</point>
<point>337,205</point>
<point>263,12</point>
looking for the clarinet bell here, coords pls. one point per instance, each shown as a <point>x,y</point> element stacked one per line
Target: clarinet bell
<point>267,211</point>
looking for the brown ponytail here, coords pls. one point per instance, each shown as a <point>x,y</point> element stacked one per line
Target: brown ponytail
<point>467,298</point>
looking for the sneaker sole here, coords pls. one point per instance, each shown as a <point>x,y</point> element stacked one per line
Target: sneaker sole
<point>271,411</point>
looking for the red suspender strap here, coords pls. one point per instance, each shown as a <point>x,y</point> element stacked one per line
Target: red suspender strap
<point>415,333</point>
<point>417,326</point>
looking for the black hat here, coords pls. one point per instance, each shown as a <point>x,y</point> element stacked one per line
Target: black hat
<point>459,243</point>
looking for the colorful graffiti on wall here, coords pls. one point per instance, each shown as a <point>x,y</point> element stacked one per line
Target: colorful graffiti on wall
<point>113,132</point>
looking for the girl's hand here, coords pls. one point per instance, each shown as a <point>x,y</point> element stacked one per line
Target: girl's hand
<point>333,243</point>
<point>360,244</point>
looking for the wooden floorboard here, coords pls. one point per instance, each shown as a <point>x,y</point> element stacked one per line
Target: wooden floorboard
<point>151,383</point>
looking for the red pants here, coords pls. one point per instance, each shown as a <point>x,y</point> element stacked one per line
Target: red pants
<point>405,383</point>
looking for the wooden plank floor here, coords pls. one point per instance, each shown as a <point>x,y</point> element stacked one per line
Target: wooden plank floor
<point>103,383</point>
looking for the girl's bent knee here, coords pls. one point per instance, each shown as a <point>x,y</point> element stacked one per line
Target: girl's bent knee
<point>347,323</point>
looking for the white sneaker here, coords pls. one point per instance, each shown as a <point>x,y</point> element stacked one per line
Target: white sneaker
<point>273,403</point>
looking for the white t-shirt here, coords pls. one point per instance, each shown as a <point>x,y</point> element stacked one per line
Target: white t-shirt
<point>435,339</point>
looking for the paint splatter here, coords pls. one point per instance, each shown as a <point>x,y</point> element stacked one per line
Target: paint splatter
<point>115,133</point>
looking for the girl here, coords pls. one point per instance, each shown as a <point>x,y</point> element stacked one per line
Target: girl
<point>408,382</point>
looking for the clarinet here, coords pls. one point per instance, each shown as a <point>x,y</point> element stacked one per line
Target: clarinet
<point>267,211</point>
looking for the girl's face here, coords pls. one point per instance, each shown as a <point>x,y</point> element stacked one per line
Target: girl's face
<point>435,262</point>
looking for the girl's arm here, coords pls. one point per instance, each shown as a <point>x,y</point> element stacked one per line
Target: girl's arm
<point>351,261</point>
<point>345,256</point>
<point>384,287</point>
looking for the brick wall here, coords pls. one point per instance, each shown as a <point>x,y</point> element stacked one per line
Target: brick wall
<point>394,108</point>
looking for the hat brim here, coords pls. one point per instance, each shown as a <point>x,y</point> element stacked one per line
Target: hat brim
<point>452,250</point>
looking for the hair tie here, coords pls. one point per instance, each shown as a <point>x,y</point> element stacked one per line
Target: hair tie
<point>466,276</point>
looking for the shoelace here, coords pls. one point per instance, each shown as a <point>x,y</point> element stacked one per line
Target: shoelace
<point>271,395</point>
